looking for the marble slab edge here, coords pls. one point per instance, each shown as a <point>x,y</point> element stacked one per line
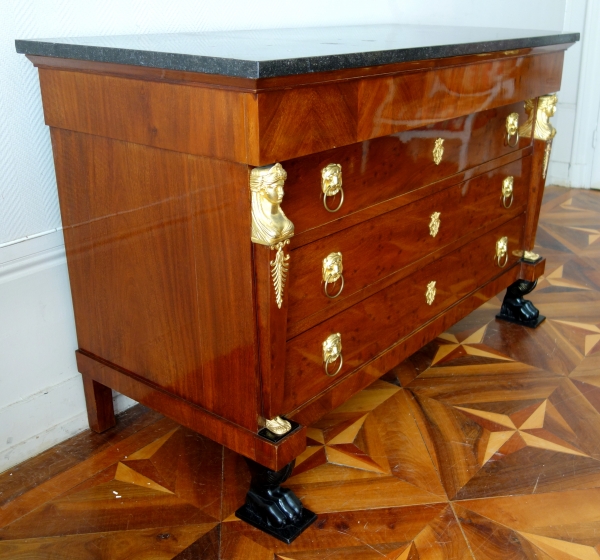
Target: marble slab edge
<point>283,67</point>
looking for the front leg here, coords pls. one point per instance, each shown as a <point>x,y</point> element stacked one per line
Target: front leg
<point>516,309</point>
<point>271,508</point>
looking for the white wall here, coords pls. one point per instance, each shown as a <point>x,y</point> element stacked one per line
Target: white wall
<point>41,400</point>
<point>575,160</point>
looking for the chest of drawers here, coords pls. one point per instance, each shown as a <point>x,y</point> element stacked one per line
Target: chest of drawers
<point>251,241</point>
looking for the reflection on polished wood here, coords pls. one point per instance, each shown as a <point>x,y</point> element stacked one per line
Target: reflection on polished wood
<point>97,99</point>
<point>484,444</point>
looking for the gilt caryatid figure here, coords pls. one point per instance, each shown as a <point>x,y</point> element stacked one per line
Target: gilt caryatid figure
<point>269,224</point>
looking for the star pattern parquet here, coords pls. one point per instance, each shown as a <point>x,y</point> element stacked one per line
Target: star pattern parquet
<point>485,444</point>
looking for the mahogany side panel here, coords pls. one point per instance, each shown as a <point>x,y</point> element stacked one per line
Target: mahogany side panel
<point>240,440</point>
<point>224,287</point>
<point>159,259</point>
<point>392,104</point>
<point>536,192</point>
<point>201,121</point>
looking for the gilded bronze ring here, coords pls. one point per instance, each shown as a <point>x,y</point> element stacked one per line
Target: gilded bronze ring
<point>339,368</point>
<point>505,198</point>
<point>330,296</point>
<point>503,259</point>
<point>329,193</point>
<point>512,129</point>
<point>332,350</point>
<point>515,136</point>
<point>508,186</point>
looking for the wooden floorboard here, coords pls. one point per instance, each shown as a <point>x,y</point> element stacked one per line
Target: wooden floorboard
<point>485,444</point>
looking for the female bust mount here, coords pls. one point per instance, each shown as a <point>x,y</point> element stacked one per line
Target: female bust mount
<point>546,109</point>
<point>269,224</point>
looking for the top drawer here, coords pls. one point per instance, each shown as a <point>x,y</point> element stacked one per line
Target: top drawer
<point>380,169</point>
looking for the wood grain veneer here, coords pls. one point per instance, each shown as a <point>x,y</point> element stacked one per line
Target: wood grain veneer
<point>377,323</point>
<point>377,170</point>
<point>243,441</point>
<point>378,247</point>
<point>174,304</point>
<point>275,125</point>
<point>149,246</point>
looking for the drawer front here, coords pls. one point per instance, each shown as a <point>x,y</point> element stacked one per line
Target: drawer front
<point>378,247</point>
<point>380,169</point>
<point>376,323</point>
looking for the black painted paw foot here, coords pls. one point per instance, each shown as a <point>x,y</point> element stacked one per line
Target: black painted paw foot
<point>516,309</point>
<point>271,508</point>
<point>275,506</point>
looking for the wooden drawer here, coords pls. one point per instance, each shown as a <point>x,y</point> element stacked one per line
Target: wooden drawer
<point>378,322</point>
<point>380,169</point>
<point>378,247</point>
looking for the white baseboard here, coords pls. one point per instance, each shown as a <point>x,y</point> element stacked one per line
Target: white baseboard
<point>28,448</point>
<point>558,174</point>
<point>24,419</point>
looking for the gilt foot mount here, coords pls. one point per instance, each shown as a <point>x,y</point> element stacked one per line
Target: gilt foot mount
<point>516,309</point>
<point>271,508</point>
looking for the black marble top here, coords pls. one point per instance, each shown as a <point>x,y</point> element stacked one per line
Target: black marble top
<point>268,53</point>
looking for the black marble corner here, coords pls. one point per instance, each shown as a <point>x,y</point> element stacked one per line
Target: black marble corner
<point>284,52</point>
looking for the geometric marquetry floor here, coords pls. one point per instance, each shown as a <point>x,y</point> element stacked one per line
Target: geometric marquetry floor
<point>484,444</point>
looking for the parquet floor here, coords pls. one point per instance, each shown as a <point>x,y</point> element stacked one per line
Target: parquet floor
<point>485,444</point>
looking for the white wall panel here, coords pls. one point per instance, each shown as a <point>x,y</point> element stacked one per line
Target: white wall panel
<point>576,162</point>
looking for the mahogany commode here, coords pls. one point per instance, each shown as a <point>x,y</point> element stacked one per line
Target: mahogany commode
<point>253,237</point>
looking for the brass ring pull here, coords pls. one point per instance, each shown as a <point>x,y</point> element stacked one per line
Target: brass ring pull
<point>340,190</point>
<point>515,136</point>
<point>331,184</point>
<point>507,191</point>
<point>332,272</point>
<point>338,292</point>
<point>337,370</point>
<point>332,351</point>
<point>512,129</point>
<point>501,257</point>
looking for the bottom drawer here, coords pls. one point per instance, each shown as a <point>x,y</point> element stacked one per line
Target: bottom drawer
<point>378,322</point>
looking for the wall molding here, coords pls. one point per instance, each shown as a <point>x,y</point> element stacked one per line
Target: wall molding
<point>37,422</point>
<point>31,255</point>
<point>32,264</point>
<point>29,237</point>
